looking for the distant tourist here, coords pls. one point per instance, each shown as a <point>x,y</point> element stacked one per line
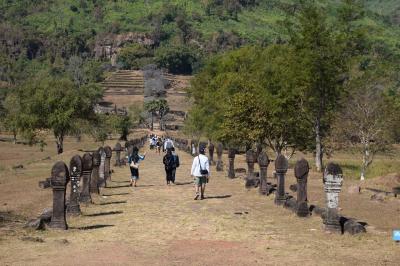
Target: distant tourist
<point>169,164</point>
<point>168,144</point>
<point>200,172</point>
<point>133,161</point>
<point>176,164</point>
<point>159,144</point>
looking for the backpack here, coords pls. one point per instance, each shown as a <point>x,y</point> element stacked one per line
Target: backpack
<point>169,162</point>
<point>176,160</point>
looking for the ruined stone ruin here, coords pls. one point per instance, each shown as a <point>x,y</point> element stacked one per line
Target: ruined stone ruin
<point>211,153</point>
<point>231,165</point>
<point>301,172</point>
<point>59,181</point>
<point>220,164</point>
<point>263,162</point>
<point>102,181</point>
<point>118,149</point>
<point>281,167</point>
<point>87,166</point>
<point>95,177</point>
<point>76,171</point>
<point>107,164</point>
<point>332,179</point>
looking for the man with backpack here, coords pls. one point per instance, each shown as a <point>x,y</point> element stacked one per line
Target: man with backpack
<point>200,172</point>
<point>169,164</point>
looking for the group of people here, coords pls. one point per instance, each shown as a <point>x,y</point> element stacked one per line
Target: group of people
<point>158,143</point>
<point>200,170</point>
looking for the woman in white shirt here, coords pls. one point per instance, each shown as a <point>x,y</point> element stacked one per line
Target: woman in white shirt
<point>200,172</point>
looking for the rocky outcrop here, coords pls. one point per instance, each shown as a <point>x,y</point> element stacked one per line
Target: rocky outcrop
<point>107,46</point>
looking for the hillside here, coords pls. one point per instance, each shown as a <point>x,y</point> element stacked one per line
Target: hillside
<point>102,28</point>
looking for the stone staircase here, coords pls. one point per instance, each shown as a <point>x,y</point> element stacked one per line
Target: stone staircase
<point>124,82</point>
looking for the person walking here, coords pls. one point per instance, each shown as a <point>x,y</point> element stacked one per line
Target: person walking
<point>176,165</point>
<point>158,144</point>
<point>169,163</point>
<point>133,159</point>
<point>168,144</point>
<point>200,172</point>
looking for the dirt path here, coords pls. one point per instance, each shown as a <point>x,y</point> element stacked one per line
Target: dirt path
<point>155,224</point>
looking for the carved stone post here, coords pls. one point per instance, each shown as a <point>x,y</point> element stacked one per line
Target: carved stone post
<point>76,171</point>
<point>95,178</point>
<point>258,150</point>
<point>102,181</point>
<point>333,179</point>
<point>211,153</point>
<point>87,166</point>
<point>107,164</point>
<point>301,170</point>
<point>250,164</point>
<point>281,167</point>
<point>118,149</point>
<point>231,167</point>
<point>220,164</point>
<point>263,161</point>
<point>59,180</point>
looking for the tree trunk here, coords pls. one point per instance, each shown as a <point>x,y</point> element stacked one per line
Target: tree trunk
<point>161,122</point>
<point>366,160</point>
<point>60,143</point>
<point>318,148</point>
<point>15,137</point>
<point>151,126</point>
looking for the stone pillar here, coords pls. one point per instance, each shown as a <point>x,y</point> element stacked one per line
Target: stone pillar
<point>95,177</point>
<point>211,153</point>
<point>333,179</point>
<point>59,180</point>
<point>258,150</point>
<point>220,165</point>
<point>102,181</point>
<point>76,171</point>
<point>118,149</point>
<point>231,167</point>
<point>263,161</point>
<point>87,166</point>
<point>250,164</point>
<point>301,170</point>
<point>107,163</point>
<point>281,167</point>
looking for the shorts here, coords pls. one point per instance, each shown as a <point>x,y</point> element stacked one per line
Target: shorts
<point>134,177</point>
<point>199,180</point>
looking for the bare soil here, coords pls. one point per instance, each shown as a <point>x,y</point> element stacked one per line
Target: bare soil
<point>156,224</point>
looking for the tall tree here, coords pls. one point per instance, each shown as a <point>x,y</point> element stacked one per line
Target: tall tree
<point>323,66</point>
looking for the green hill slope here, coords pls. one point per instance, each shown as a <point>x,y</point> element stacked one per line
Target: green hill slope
<point>65,28</point>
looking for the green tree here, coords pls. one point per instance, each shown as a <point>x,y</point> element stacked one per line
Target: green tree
<point>323,66</point>
<point>134,56</point>
<point>151,107</point>
<point>13,109</point>
<point>162,109</point>
<point>55,104</point>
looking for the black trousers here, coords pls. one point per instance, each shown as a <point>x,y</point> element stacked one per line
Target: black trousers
<point>173,175</point>
<point>168,173</point>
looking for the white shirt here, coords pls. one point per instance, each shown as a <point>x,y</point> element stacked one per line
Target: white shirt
<point>170,142</point>
<point>196,166</point>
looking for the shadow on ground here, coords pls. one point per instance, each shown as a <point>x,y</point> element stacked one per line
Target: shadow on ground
<point>112,202</point>
<point>218,197</point>
<point>116,194</point>
<point>103,213</point>
<point>91,227</point>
